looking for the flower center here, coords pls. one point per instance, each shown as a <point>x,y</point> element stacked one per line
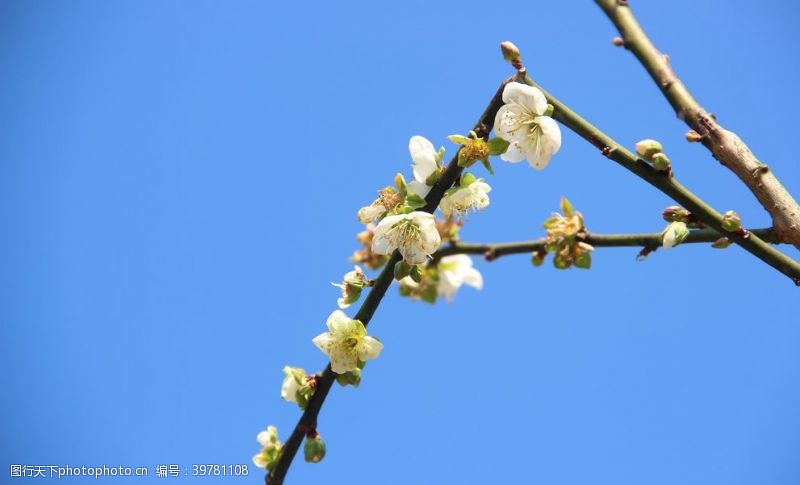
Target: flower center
<point>405,232</point>
<point>351,342</point>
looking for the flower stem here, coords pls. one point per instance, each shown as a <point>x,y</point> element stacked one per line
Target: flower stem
<point>646,240</point>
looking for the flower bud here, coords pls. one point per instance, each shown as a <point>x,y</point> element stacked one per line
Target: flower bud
<point>674,234</point>
<point>510,52</point>
<point>731,221</point>
<point>314,449</point>
<point>676,213</point>
<point>693,136</point>
<point>647,148</point>
<point>537,258</point>
<point>618,41</point>
<point>721,243</point>
<point>661,162</point>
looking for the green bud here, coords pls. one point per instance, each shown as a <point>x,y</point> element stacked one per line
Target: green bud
<point>647,148</point>
<point>661,162</point>
<point>676,213</point>
<point>510,52</point>
<point>674,234</point>
<point>549,110</point>
<point>731,221</point>
<point>314,449</point>
<point>537,258</point>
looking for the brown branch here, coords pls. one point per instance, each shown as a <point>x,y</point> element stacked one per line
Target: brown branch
<point>725,145</point>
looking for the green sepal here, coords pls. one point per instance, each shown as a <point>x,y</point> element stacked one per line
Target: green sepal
<point>415,273</point>
<point>467,179</point>
<point>549,110</point>
<point>439,155</point>
<point>401,270</point>
<point>486,163</point>
<point>566,207</point>
<point>429,294</point>
<point>584,261</point>
<point>433,178</point>
<point>415,201</point>
<point>400,183</point>
<point>458,139</point>
<point>498,146</point>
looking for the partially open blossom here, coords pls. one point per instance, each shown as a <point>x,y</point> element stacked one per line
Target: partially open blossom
<point>271,449</point>
<point>674,234</point>
<point>565,234</point>
<point>424,156</point>
<point>414,235</point>
<point>346,342</point>
<point>523,122</point>
<point>454,271</point>
<point>351,286</point>
<point>471,196</point>
<point>297,387</point>
<point>369,213</point>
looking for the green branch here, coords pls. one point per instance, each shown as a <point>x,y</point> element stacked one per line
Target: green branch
<point>308,421</point>
<point>725,145</point>
<point>651,240</point>
<point>667,184</point>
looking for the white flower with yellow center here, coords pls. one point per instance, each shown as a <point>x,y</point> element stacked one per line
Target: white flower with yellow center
<point>523,123</point>
<point>454,271</point>
<point>346,342</point>
<point>414,235</point>
<point>473,196</point>
<point>424,156</point>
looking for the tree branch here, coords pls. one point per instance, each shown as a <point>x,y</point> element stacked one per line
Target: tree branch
<point>725,145</point>
<point>667,184</point>
<point>650,240</point>
<point>308,421</point>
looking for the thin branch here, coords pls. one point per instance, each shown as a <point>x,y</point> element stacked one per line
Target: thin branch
<point>667,184</point>
<point>308,421</point>
<point>725,145</point>
<point>651,240</point>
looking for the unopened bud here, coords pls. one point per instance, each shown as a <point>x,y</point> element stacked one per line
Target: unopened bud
<point>661,162</point>
<point>731,221</point>
<point>400,183</point>
<point>538,258</point>
<point>721,243</point>
<point>676,213</point>
<point>674,234</point>
<point>314,449</point>
<point>647,148</point>
<point>693,136</point>
<point>617,41</point>
<point>510,52</point>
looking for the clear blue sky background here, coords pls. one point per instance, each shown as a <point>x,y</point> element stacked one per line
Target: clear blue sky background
<point>178,188</point>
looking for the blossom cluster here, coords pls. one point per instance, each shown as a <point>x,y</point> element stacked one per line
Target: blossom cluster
<point>565,234</point>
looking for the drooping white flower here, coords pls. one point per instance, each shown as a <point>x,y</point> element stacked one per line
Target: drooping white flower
<point>414,234</point>
<point>474,196</point>
<point>674,234</point>
<point>346,342</point>
<point>371,212</point>
<point>424,156</point>
<point>270,449</point>
<point>523,123</point>
<point>454,271</point>
<point>292,382</point>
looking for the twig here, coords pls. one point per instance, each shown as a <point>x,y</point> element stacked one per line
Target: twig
<point>650,240</point>
<point>667,184</point>
<point>308,421</point>
<point>725,145</point>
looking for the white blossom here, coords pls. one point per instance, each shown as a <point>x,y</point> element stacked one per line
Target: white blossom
<point>463,199</point>
<point>523,123</point>
<point>371,212</point>
<point>424,156</point>
<point>346,342</point>
<point>352,284</point>
<point>414,235</point>
<point>454,271</point>
<point>270,449</point>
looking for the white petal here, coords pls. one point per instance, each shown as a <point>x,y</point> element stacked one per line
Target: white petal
<point>547,143</point>
<point>508,122</point>
<point>263,438</point>
<point>342,363</point>
<point>338,322</point>
<point>514,154</point>
<point>259,461</point>
<point>370,213</point>
<point>472,277</point>
<point>414,254</point>
<point>289,389</point>
<point>419,188</point>
<point>371,348</point>
<point>459,260</point>
<point>528,96</point>
<point>323,342</point>
<point>424,156</point>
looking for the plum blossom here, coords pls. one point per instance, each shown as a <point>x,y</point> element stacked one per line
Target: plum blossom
<point>413,234</point>
<point>454,271</point>
<point>523,122</point>
<point>346,342</point>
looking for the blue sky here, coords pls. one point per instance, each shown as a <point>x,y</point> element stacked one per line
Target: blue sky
<point>178,187</point>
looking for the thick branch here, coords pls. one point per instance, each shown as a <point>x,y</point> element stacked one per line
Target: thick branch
<point>324,381</point>
<point>668,185</point>
<point>725,145</point>
<point>650,240</point>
